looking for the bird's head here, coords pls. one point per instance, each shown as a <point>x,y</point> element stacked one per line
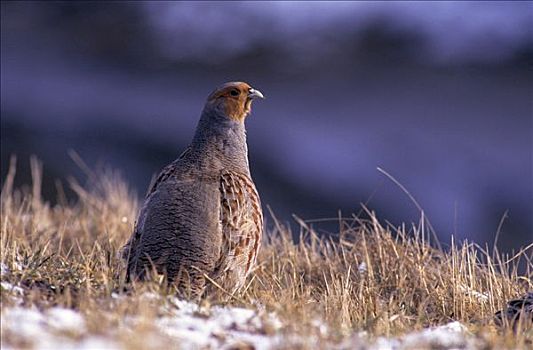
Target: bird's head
<point>233,100</point>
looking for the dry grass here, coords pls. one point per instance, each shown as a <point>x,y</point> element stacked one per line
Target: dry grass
<point>386,281</point>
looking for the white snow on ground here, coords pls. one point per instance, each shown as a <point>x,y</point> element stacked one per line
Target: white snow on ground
<point>187,323</point>
<point>55,328</point>
<point>190,326</point>
<point>14,292</point>
<point>65,320</point>
<point>454,335</point>
<point>362,267</point>
<point>482,297</point>
<point>218,326</point>
<point>4,270</point>
<point>11,288</point>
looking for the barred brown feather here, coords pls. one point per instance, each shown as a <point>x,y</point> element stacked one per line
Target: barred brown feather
<point>242,227</point>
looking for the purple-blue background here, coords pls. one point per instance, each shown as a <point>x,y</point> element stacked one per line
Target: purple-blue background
<point>438,94</point>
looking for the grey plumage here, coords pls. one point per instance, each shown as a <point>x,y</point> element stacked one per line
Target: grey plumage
<point>202,215</point>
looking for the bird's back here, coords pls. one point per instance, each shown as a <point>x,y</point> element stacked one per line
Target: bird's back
<point>178,232</point>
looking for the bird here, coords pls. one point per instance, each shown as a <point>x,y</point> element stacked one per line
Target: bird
<point>201,222</point>
<point>517,311</point>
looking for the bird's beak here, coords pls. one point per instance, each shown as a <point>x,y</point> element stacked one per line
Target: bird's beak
<point>253,93</point>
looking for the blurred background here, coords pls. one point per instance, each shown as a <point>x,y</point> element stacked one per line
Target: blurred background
<point>437,94</point>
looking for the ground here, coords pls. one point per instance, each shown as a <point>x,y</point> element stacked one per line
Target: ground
<point>367,286</point>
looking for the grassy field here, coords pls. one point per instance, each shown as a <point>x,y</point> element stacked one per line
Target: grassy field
<point>365,284</point>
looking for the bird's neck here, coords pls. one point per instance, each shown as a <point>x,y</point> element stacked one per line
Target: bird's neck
<point>220,143</point>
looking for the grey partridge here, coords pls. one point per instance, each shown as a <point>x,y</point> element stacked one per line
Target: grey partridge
<point>201,219</point>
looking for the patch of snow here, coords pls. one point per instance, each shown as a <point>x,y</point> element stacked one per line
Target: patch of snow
<point>22,322</point>
<point>4,270</point>
<point>453,327</point>
<point>218,326</point>
<point>386,344</point>
<point>183,305</point>
<point>453,335</point>
<point>46,329</point>
<point>478,295</point>
<point>11,288</point>
<point>65,320</point>
<point>320,325</point>
<point>150,296</point>
<point>16,293</point>
<point>92,343</point>
<point>192,326</point>
<point>187,323</point>
<point>362,267</point>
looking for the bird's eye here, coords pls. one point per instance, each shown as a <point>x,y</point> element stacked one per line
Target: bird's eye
<point>234,92</point>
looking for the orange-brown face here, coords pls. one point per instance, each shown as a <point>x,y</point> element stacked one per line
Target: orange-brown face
<point>234,99</point>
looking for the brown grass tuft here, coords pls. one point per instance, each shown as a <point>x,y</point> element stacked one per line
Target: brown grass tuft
<point>384,280</point>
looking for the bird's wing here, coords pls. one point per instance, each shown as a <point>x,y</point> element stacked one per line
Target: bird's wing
<point>166,173</point>
<point>242,222</point>
<point>178,227</point>
<point>163,176</point>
